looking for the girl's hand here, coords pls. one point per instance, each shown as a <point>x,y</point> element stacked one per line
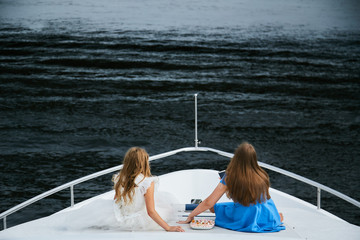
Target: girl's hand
<point>175,229</point>
<point>188,220</point>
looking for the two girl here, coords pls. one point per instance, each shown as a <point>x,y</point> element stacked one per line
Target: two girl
<point>245,182</point>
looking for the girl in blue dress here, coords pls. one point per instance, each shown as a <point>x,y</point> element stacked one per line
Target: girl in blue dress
<point>247,184</point>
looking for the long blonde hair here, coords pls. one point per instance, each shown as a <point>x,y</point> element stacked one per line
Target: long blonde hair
<point>136,162</point>
<point>247,183</point>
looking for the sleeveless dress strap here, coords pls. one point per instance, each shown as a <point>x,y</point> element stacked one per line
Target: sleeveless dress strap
<point>146,183</point>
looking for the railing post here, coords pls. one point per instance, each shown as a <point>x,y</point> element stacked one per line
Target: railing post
<point>4,222</point>
<point>72,195</point>
<point>196,137</point>
<point>318,198</point>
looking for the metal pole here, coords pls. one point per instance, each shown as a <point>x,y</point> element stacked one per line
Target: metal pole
<point>72,195</point>
<point>318,198</point>
<point>196,137</point>
<point>5,223</point>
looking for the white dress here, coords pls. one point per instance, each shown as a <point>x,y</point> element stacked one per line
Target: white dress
<point>103,213</point>
<point>100,213</point>
<point>134,216</point>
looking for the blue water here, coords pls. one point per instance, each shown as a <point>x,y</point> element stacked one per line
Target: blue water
<point>82,81</point>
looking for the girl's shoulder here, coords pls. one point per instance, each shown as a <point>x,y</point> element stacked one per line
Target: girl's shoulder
<point>145,182</point>
<point>223,180</point>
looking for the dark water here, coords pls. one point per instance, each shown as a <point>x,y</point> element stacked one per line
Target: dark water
<point>77,92</point>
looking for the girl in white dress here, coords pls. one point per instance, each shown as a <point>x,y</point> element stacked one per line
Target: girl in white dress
<point>134,203</point>
<point>130,207</point>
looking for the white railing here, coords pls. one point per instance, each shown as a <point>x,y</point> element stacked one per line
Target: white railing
<point>71,184</point>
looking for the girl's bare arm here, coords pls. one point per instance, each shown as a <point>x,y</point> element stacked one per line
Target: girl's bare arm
<point>208,203</point>
<point>150,207</point>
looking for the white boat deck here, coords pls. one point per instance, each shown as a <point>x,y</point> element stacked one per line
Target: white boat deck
<point>302,220</point>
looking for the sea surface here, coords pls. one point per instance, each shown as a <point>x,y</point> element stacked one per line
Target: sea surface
<point>83,81</point>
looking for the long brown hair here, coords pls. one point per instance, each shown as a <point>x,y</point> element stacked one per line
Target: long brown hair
<point>136,162</point>
<point>247,183</point>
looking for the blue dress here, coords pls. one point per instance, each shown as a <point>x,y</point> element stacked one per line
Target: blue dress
<point>260,217</point>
